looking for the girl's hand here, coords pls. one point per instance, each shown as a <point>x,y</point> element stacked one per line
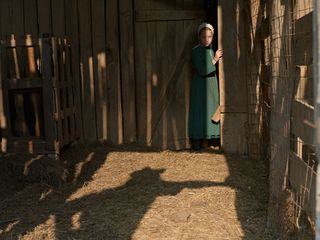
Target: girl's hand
<point>218,54</point>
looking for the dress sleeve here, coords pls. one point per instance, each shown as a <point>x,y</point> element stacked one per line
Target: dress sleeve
<point>202,61</point>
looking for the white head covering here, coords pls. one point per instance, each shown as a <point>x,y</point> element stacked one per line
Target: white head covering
<point>205,25</point>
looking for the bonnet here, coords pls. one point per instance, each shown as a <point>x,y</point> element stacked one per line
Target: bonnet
<point>205,25</point>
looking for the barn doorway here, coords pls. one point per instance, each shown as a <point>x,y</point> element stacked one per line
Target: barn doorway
<point>164,32</point>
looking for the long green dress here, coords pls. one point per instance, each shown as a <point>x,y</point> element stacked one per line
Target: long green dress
<point>204,98</point>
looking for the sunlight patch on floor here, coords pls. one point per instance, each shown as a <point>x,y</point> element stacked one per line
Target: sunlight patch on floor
<point>119,166</point>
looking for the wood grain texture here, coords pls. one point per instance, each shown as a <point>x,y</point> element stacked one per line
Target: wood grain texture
<point>127,54</point>
<point>87,78</point>
<point>31,17</point>
<point>58,17</point>
<point>114,100</point>
<point>44,16</point>
<point>72,25</point>
<point>99,62</point>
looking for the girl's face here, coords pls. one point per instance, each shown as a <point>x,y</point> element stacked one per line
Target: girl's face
<point>205,37</point>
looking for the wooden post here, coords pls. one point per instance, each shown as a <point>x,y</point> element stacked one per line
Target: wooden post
<point>232,78</point>
<point>50,131</point>
<point>282,88</point>
<point>316,76</point>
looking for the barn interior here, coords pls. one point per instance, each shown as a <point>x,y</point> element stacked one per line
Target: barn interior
<point>83,81</point>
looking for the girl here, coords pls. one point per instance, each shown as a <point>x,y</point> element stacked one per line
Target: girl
<point>204,98</point>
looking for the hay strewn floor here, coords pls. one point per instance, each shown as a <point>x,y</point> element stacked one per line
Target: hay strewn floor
<point>134,193</point>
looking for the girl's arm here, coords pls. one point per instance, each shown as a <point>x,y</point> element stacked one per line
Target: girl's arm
<point>217,56</point>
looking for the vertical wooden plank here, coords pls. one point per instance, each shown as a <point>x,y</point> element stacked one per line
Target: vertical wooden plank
<point>151,71</point>
<point>61,79</point>
<point>33,100</point>
<point>4,121</point>
<point>18,31</point>
<point>86,62</point>
<point>113,73</point>
<point>72,25</point>
<point>58,18</point>
<point>160,67</point>
<point>161,107</point>
<point>99,64</point>
<point>176,114</point>
<point>44,16</point>
<point>184,88</point>
<point>70,89</point>
<point>31,17</point>
<point>143,87</point>
<point>50,131</point>
<point>127,70</point>
<point>56,89</point>
<point>154,80</point>
<point>17,19</point>
<point>6,13</point>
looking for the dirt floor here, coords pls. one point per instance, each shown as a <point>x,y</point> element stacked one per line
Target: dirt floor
<point>137,193</point>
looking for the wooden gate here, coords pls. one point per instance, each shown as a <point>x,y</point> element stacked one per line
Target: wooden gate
<point>37,95</point>
<point>164,34</point>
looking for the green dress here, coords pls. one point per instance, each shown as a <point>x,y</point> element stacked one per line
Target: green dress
<point>204,97</point>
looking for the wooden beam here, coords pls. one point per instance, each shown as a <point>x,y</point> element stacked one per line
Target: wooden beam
<point>22,83</point>
<point>167,15</point>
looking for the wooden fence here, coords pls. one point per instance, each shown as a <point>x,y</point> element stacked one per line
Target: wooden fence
<point>37,101</point>
<point>92,27</point>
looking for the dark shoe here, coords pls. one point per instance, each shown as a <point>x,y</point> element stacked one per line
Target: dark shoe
<point>214,142</point>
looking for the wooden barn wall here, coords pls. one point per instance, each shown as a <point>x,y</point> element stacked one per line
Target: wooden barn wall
<point>232,76</point>
<point>92,26</point>
<point>120,96</point>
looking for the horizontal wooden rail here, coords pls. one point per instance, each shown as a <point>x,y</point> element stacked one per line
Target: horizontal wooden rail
<point>167,15</point>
